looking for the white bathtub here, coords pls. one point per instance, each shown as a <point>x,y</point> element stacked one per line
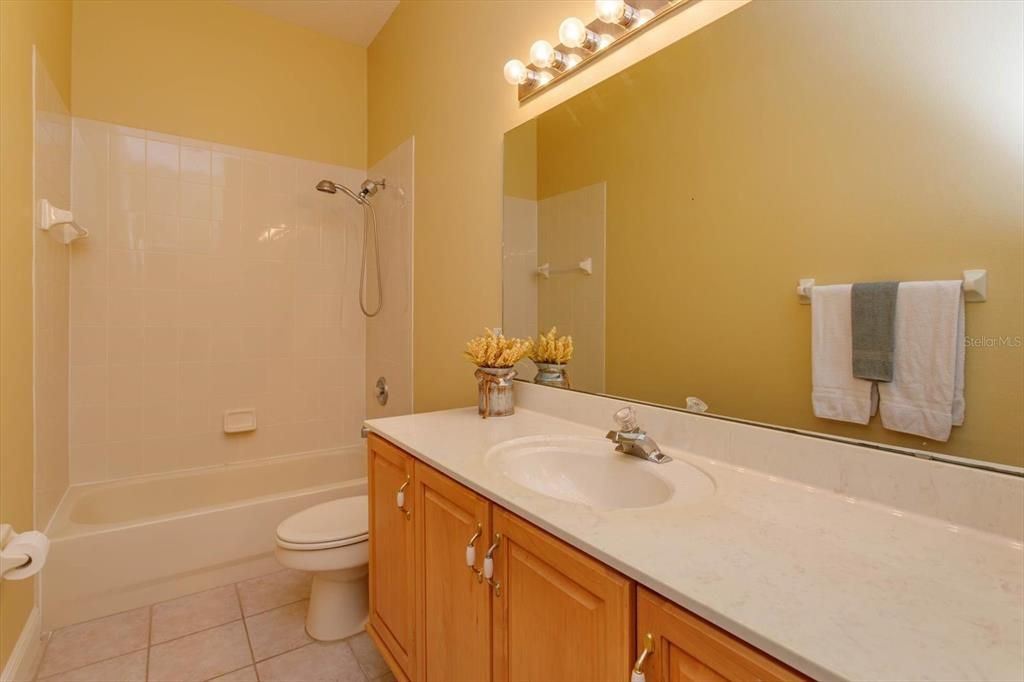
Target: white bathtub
<point>124,544</point>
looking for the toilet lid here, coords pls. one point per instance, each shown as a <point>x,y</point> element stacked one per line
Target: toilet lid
<point>332,524</point>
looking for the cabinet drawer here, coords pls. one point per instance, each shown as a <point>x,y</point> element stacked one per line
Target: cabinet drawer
<point>689,649</point>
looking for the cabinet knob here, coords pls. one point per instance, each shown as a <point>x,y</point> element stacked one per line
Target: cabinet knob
<point>489,565</point>
<point>637,675</point>
<point>400,498</point>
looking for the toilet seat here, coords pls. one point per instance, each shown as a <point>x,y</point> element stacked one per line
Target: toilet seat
<point>338,523</point>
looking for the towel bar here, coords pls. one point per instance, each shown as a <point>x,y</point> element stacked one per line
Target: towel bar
<point>52,217</point>
<point>586,266</point>
<point>975,287</point>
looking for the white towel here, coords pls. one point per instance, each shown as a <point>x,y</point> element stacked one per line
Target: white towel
<point>926,394</point>
<point>836,393</point>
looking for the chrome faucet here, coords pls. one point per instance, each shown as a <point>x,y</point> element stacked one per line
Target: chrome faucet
<point>633,441</point>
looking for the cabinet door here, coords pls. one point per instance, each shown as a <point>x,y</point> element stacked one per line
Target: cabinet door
<point>558,614</point>
<point>392,591</point>
<point>453,604</point>
<point>689,649</point>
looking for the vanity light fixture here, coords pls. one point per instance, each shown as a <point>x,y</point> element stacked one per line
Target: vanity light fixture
<point>617,21</point>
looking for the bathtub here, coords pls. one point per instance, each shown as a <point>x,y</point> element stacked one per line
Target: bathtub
<point>123,544</point>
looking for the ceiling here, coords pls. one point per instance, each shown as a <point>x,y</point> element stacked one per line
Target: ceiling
<point>354,21</point>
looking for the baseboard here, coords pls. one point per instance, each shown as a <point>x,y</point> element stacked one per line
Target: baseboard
<point>21,666</point>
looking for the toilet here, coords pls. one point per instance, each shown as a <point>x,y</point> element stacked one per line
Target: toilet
<point>330,540</point>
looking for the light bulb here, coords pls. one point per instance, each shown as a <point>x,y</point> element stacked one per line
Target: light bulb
<point>572,60</point>
<point>643,16</point>
<point>610,11</point>
<point>604,41</point>
<point>574,33</point>
<point>516,72</point>
<point>543,78</point>
<point>542,54</point>
<point>616,12</point>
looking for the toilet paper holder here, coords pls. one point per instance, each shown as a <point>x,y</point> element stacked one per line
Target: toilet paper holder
<point>10,560</point>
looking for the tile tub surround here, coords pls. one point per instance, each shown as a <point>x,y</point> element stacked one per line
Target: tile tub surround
<point>836,586</point>
<point>215,278</point>
<point>229,633</point>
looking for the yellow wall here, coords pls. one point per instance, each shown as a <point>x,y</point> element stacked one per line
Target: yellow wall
<point>22,24</point>
<point>215,71</point>
<point>435,72</point>
<point>737,164</point>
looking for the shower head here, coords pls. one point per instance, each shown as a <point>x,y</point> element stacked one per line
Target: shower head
<point>331,187</point>
<point>367,189</point>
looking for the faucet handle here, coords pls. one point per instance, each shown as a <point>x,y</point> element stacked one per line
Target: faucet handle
<point>626,419</point>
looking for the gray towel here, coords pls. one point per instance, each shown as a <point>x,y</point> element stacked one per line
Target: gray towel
<point>872,317</point>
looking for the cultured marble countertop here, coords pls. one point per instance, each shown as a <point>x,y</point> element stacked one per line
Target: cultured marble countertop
<point>837,588</point>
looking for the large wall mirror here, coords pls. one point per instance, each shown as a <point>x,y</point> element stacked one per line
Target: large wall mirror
<point>845,141</point>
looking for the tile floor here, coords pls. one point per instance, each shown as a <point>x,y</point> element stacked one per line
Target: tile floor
<point>253,631</point>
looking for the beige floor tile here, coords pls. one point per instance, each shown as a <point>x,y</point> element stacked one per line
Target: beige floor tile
<point>96,640</point>
<point>278,630</point>
<point>180,617</point>
<point>128,668</point>
<point>317,662</point>
<point>386,677</point>
<point>369,658</point>
<point>243,675</point>
<point>200,656</point>
<point>270,591</point>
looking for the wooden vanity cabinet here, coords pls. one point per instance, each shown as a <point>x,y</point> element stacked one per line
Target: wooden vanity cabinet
<point>453,605</point>
<point>547,611</point>
<point>689,649</point>
<point>392,551</point>
<point>558,613</point>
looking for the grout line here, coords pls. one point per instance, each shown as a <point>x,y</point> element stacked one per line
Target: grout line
<point>149,641</point>
<point>230,672</point>
<point>79,667</point>
<point>245,629</point>
<point>212,627</point>
<point>287,651</point>
<point>279,606</point>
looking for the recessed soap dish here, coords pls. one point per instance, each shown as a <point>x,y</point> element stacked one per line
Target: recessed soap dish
<point>240,420</point>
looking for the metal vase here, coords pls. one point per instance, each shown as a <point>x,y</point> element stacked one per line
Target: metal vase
<point>494,386</point>
<point>551,374</point>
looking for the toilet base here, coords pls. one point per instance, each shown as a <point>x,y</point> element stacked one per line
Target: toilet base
<point>338,604</point>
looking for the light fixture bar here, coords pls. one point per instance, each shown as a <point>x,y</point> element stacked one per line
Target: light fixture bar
<point>583,43</point>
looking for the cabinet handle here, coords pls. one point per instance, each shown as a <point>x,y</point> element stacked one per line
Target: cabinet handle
<point>471,553</point>
<point>489,565</point>
<point>638,668</point>
<point>400,498</point>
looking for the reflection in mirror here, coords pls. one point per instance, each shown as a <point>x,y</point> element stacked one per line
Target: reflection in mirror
<point>844,141</point>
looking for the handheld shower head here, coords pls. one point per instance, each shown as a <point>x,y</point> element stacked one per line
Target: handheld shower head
<point>331,187</point>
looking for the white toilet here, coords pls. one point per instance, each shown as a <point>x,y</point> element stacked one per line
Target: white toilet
<point>331,540</point>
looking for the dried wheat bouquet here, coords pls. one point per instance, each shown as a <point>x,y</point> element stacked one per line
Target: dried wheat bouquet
<point>495,351</point>
<point>552,349</point>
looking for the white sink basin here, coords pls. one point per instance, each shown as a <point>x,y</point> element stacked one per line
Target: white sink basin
<point>588,471</point>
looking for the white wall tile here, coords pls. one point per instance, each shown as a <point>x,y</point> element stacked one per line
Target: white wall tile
<point>214,289</point>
